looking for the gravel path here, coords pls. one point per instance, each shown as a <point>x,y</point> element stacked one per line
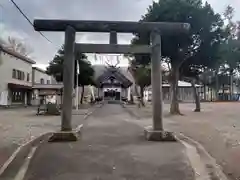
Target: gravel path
<point>217,128</point>
<point>110,149</point>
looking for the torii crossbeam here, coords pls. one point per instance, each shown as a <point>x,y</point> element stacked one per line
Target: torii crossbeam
<point>156,29</point>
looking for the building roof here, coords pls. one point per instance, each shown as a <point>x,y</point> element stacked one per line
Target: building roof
<point>100,69</point>
<point>13,85</point>
<point>109,72</point>
<point>16,54</point>
<point>48,86</point>
<point>40,70</point>
<point>182,84</point>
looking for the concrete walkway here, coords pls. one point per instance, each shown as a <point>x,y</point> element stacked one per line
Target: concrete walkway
<point>110,149</point>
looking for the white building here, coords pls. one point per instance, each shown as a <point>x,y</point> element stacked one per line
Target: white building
<point>45,88</point>
<point>40,76</point>
<point>112,83</point>
<point>16,78</point>
<point>184,88</point>
<point>21,83</point>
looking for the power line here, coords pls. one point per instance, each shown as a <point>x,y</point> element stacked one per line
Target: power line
<point>19,9</point>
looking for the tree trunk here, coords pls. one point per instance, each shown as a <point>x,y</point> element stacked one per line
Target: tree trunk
<point>134,83</point>
<point>223,93</point>
<point>196,97</point>
<point>131,99</point>
<point>174,108</point>
<point>136,90</point>
<point>208,90</point>
<point>211,94</point>
<point>170,92</point>
<point>204,92</point>
<point>231,85</point>
<point>82,95</point>
<point>142,96</point>
<point>217,87</point>
<point>61,94</point>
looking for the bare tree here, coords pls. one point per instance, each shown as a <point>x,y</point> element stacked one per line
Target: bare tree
<point>2,41</point>
<point>19,46</point>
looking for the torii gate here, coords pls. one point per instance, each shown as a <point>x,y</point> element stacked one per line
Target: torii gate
<point>70,27</point>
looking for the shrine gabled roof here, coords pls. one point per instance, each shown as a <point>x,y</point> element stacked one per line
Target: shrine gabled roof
<point>100,69</point>
<point>113,72</point>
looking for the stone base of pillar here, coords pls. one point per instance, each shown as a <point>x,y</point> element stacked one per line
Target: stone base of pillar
<point>153,135</point>
<point>64,136</point>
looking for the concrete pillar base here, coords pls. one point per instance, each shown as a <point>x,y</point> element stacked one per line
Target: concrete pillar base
<point>153,135</point>
<point>64,136</point>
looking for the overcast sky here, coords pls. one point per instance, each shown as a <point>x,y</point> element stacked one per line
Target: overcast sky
<point>13,24</point>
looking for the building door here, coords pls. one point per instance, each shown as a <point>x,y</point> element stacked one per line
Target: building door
<point>18,96</point>
<point>111,95</point>
<point>29,97</point>
<point>117,95</point>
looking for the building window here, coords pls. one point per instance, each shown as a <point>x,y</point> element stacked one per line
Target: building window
<point>22,76</point>
<point>17,96</point>
<point>42,81</point>
<point>28,77</point>
<point>48,81</point>
<point>17,74</point>
<point>14,73</point>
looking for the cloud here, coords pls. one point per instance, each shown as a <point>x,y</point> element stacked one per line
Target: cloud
<point>12,23</point>
<point>72,9</point>
<point>220,6</point>
<point>7,31</point>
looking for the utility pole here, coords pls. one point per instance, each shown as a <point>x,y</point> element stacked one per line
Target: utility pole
<point>77,87</point>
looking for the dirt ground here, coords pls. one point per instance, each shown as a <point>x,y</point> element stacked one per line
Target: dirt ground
<point>217,128</point>
<point>17,126</point>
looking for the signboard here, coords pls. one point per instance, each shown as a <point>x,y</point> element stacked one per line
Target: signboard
<point>47,92</point>
<point>112,89</point>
